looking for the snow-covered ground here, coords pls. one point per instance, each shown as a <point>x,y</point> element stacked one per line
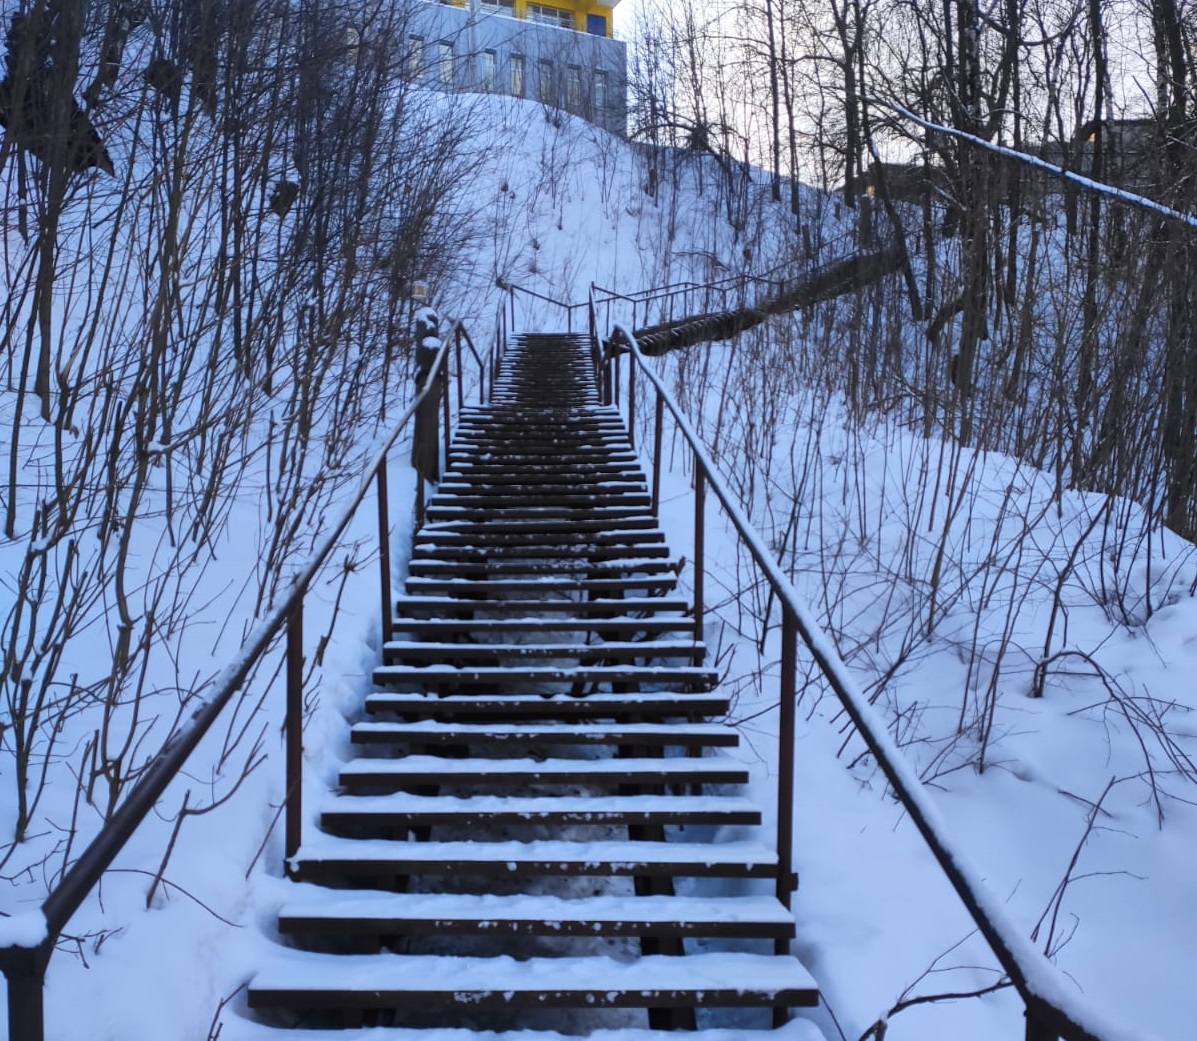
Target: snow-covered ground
<point>871,519</point>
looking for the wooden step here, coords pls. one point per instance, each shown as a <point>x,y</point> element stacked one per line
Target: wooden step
<point>378,914</point>
<point>595,606</point>
<point>413,652</point>
<point>303,980</point>
<point>656,735</point>
<point>429,770</point>
<point>618,626</point>
<point>398,811</point>
<point>543,585</point>
<point>447,677</point>
<point>510,707</point>
<point>547,544</point>
<point>234,1027</point>
<point>327,858</point>
<point>428,566</point>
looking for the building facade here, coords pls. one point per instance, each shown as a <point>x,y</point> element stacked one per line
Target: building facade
<point>560,53</point>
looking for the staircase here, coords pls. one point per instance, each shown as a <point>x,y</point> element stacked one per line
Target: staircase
<point>537,830</point>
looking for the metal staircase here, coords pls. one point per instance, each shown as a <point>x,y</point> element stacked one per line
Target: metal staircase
<point>534,823</point>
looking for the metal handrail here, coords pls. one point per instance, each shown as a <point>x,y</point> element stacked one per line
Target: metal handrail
<point>1053,1012</point>
<point>24,967</point>
<point>568,308</point>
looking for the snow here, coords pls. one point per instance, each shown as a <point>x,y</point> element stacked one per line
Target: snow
<point>874,911</point>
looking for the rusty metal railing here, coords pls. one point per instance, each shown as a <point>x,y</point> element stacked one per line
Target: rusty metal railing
<point>1053,1011</point>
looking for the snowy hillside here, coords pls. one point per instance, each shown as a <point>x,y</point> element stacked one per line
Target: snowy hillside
<point>1032,646</point>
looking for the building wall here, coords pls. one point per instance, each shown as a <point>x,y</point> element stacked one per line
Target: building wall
<point>493,48</point>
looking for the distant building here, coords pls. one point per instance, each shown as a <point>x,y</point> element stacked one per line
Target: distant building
<point>561,53</point>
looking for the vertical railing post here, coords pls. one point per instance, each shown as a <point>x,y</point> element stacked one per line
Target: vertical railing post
<point>294,732</point>
<point>700,529</point>
<point>616,359</point>
<point>511,296</point>
<point>26,977</point>
<point>446,418</point>
<point>632,400</point>
<point>1038,1030</point>
<point>785,758</point>
<point>460,372</point>
<point>658,428</point>
<point>384,550</point>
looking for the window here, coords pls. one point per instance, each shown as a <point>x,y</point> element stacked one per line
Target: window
<point>517,75</point>
<point>488,70</point>
<point>573,88</point>
<point>444,63</point>
<point>506,6</point>
<point>414,59</point>
<point>596,24</point>
<point>550,16</point>
<point>545,89</point>
<point>600,92</point>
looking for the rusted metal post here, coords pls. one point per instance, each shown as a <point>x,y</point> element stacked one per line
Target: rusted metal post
<point>460,372</point>
<point>658,429</point>
<point>294,732</point>
<point>419,501</point>
<point>1038,1030</point>
<point>446,417</point>
<point>26,976</point>
<point>700,529</point>
<point>615,369</point>
<point>632,400</point>
<point>384,549</point>
<point>785,759</point>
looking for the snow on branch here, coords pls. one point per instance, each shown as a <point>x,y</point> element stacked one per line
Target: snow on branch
<point>1121,194</point>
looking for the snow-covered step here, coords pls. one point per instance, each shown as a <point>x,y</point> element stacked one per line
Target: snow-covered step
<point>428,770</point>
<point>661,735</point>
<point>609,606</point>
<point>612,650</point>
<point>502,523</point>
<point>431,567</point>
<point>382,814</point>
<point>328,858</point>
<point>422,585</point>
<point>447,677</point>
<point>304,980</point>
<point>511,707</point>
<point>567,556</point>
<point>372,913</point>
<point>548,541</point>
<point>236,1028</point>
<point>612,625</point>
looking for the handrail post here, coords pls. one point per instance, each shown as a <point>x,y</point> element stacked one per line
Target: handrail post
<point>460,372</point>
<point>700,527</point>
<point>446,417</point>
<point>294,732</point>
<point>384,550</point>
<point>615,367</point>
<point>658,427</point>
<point>785,758</point>
<point>1038,1030</point>
<point>632,401</point>
<point>25,974</point>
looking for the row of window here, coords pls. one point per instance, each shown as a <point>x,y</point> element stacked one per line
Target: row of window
<point>546,14</point>
<point>551,87</point>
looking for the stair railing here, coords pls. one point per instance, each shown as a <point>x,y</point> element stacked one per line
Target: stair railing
<point>35,934</point>
<point>1053,1013</point>
<point>567,309</point>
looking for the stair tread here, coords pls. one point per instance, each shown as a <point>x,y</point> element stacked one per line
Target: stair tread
<point>423,765</point>
<point>711,734</point>
<point>626,853</point>
<point>367,904</point>
<point>654,648</point>
<point>236,1028</point>
<point>291,971</point>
